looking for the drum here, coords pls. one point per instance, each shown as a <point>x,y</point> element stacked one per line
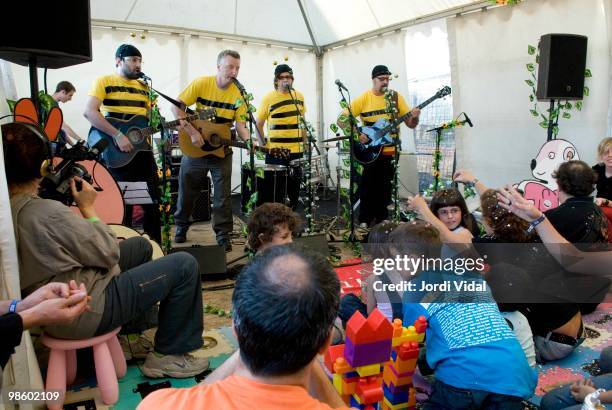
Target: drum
<point>109,201</point>
<point>272,187</point>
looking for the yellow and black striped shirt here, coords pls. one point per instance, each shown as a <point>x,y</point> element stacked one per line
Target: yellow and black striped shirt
<point>121,98</point>
<point>204,93</point>
<point>281,115</point>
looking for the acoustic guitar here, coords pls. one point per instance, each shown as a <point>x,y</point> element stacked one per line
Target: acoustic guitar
<point>136,129</point>
<point>216,138</point>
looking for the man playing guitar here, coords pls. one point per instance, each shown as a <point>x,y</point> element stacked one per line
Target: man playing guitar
<point>121,96</point>
<point>219,92</point>
<point>283,114</point>
<point>376,179</point>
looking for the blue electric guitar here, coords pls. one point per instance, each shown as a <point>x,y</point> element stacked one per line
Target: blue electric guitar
<point>380,132</point>
<point>137,130</point>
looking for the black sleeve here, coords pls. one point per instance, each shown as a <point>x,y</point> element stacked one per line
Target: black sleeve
<point>11,327</point>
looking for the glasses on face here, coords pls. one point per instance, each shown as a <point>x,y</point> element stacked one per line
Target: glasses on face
<point>133,60</point>
<point>383,79</point>
<point>449,212</point>
<point>285,77</point>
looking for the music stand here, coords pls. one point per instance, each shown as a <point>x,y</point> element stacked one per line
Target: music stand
<point>135,193</point>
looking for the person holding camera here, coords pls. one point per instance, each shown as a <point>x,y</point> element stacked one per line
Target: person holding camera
<point>54,244</point>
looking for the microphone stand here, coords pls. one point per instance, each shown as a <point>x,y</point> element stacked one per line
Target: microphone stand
<point>437,152</point>
<point>252,122</point>
<point>353,137</point>
<point>309,204</point>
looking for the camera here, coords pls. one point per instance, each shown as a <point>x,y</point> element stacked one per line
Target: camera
<point>56,184</point>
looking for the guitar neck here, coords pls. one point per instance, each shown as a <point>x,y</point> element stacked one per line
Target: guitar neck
<point>243,145</point>
<point>170,124</point>
<point>406,116</point>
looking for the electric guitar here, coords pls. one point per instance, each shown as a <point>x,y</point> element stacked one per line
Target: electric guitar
<point>379,132</point>
<point>216,138</point>
<point>137,130</point>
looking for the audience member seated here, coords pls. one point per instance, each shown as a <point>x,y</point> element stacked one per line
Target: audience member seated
<point>284,303</point>
<point>604,180</point>
<point>448,213</point>
<point>477,360</point>
<point>572,396</point>
<point>592,264</point>
<point>389,303</point>
<point>272,224</point>
<point>577,217</point>
<point>54,244</point>
<point>52,304</point>
<point>514,276</point>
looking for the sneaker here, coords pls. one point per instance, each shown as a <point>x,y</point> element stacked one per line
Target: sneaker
<point>180,235</point>
<point>135,346</point>
<point>226,243</point>
<point>171,365</point>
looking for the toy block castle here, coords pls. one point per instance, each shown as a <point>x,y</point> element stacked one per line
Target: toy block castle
<point>374,368</point>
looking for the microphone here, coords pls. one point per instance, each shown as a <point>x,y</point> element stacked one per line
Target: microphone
<point>340,85</point>
<point>240,86</point>
<point>467,119</point>
<point>143,76</point>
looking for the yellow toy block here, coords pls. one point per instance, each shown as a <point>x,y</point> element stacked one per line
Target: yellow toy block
<point>390,377</point>
<point>339,384</point>
<point>409,334</point>
<point>385,404</point>
<point>369,370</point>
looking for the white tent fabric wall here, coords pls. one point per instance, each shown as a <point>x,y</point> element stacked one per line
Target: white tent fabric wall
<point>353,66</point>
<point>488,57</point>
<point>172,61</point>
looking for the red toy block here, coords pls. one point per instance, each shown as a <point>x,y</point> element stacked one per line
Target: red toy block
<point>409,350</point>
<point>331,355</point>
<point>373,329</point>
<point>369,390</point>
<point>420,324</point>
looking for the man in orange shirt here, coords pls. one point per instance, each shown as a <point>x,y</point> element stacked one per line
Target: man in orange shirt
<point>285,302</point>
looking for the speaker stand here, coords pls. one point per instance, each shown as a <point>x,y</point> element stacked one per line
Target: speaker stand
<point>552,123</point>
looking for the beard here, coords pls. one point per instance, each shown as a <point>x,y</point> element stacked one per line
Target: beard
<point>132,75</point>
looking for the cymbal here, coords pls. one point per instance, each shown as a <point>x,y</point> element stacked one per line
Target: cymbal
<point>336,139</point>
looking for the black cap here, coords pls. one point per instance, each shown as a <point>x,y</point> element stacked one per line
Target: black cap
<point>282,68</point>
<point>380,70</point>
<point>127,50</point>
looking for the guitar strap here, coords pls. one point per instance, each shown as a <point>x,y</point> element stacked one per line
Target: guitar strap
<point>173,101</point>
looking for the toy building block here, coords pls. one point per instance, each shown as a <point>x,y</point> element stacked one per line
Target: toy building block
<point>369,390</point>
<point>397,328</point>
<point>409,334</point>
<point>341,366</point>
<point>392,377</point>
<point>373,329</point>
<point>370,370</point>
<point>420,324</point>
<point>404,358</point>
<point>331,354</point>
<point>385,405</point>
<point>337,380</point>
<point>364,354</point>
<point>397,397</point>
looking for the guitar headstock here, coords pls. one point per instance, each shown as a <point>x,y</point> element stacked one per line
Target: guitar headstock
<point>282,153</point>
<point>443,92</point>
<point>207,114</point>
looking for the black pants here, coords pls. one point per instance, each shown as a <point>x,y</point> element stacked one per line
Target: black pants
<point>375,190</point>
<point>143,168</point>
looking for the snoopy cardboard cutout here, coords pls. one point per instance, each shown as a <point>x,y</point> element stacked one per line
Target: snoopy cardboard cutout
<point>543,190</point>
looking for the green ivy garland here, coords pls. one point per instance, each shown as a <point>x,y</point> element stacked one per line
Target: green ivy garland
<point>259,172</point>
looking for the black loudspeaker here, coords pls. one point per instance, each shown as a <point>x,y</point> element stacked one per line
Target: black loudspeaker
<point>57,33</point>
<point>211,260</point>
<point>315,242</point>
<point>561,67</point>
<point>201,206</point>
